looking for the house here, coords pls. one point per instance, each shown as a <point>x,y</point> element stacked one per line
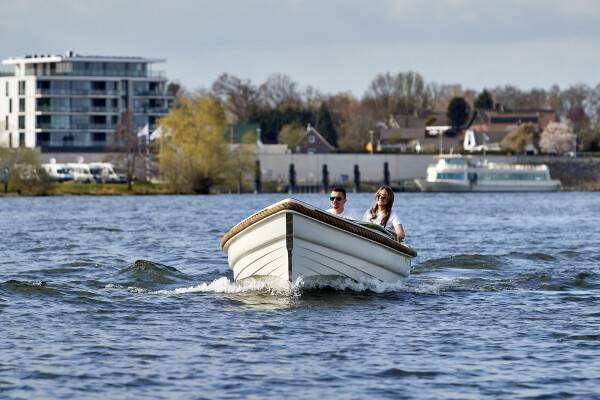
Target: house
<point>405,132</point>
<point>313,142</point>
<point>491,126</point>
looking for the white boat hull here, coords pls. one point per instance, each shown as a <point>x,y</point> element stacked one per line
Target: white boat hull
<point>289,245</point>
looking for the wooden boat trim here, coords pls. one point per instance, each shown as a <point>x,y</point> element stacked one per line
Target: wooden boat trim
<point>301,208</point>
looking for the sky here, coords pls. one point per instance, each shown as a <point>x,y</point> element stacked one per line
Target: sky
<point>332,45</point>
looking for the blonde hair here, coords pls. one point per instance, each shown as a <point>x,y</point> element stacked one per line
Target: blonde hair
<point>387,208</point>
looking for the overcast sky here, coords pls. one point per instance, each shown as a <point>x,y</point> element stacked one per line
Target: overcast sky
<point>332,45</point>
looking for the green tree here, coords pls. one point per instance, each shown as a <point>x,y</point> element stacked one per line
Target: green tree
<point>290,134</point>
<point>21,170</point>
<point>589,138</point>
<point>324,124</point>
<point>518,139</point>
<point>458,113</point>
<point>194,157</point>
<point>241,161</point>
<point>484,101</point>
<point>273,120</point>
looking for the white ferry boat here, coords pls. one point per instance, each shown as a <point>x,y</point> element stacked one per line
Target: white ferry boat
<point>457,173</point>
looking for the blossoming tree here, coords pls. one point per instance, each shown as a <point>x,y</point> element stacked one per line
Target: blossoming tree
<point>558,138</point>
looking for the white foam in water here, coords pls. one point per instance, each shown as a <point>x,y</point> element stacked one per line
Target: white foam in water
<point>132,289</point>
<point>280,287</point>
<point>224,285</point>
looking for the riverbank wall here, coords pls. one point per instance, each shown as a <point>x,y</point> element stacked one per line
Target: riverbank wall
<point>575,173</point>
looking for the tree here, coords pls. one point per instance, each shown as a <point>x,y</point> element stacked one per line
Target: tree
<point>129,145</point>
<point>405,92</point>
<point>238,97</point>
<point>458,113</point>
<point>291,134</point>
<point>241,161</point>
<point>279,92</point>
<point>352,121</point>
<point>324,124</point>
<point>520,138</point>
<point>194,157</point>
<point>412,93</point>
<point>484,101</point>
<point>20,168</point>
<point>589,138</point>
<point>557,138</point>
<point>272,121</point>
<point>381,94</point>
<point>175,89</point>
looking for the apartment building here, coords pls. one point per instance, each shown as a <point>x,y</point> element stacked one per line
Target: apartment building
<point>72,102</point>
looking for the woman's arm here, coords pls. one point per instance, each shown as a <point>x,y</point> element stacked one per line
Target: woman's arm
<point>399,232</point>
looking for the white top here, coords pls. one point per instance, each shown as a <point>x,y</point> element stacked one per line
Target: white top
<point>348,214</point>
<point>392,221</point>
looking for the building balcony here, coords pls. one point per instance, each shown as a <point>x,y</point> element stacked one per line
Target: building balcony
<point>149,93</point>
<point>151,110</point>
<point>48,147</point>
<point>56,109</point>
<point>76,92</point>
<point>112,74</point>
<point>88,126</point>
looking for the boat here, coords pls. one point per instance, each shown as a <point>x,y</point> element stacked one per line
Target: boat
<point>290,239</point>
<point>458,173</point>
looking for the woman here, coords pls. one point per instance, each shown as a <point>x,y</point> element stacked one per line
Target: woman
<point>381,212</point>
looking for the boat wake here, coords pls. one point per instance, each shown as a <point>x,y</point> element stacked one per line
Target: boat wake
<point>274,286</point>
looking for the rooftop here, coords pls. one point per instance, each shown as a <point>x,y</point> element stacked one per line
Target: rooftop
<point>72,56</point>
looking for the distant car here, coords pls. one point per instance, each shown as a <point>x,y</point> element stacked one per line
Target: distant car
<point>58,172</point>
<point>81,172</point>
<point>104,172</point>
<point>119,178</point>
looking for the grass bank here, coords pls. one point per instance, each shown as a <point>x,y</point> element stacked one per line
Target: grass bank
<point>89,189</point>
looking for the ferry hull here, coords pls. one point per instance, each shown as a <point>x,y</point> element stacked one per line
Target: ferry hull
<point>496,186</point>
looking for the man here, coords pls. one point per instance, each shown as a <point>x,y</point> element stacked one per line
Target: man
<point>338,200</point>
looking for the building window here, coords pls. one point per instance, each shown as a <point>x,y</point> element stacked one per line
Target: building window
<point>6,88</point>
<point>21,105</point>
<point>22,139</point>
<point>21,122</point>
<point>99,137</point>
<point>311,139</point>
<point>43,138</point>
<point>6,123</point>
<point>21,87</point>
<point>68,140</point>
<point>9,106</point>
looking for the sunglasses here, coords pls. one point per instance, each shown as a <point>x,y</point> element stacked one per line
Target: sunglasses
<point>332,198</point>
<point>382,196</point>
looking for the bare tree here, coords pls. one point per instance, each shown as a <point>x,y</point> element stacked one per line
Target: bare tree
<point>237,97</point>
<point>412,94</point>
<point>381,94</point>
<point>280,92</point>
<point>128,145</point>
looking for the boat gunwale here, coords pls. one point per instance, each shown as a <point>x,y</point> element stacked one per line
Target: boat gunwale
<point>319,215</point>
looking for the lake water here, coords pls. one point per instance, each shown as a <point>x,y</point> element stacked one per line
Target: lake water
<point>503,302</point>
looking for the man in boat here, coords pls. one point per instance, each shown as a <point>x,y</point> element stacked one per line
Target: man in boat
<point>338,201</point>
